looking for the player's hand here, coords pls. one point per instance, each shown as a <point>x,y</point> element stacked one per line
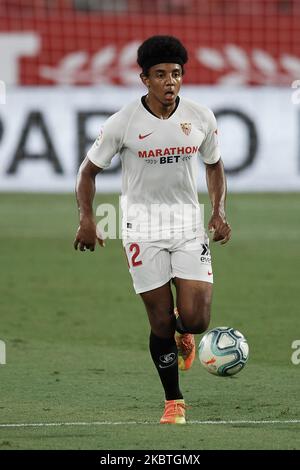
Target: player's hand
<point>87,235</point>
<point>220,228</point>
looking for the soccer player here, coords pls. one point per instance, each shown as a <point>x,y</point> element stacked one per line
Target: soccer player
<point>159,139</point>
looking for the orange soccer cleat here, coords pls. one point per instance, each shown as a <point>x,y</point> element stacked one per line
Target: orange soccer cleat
<point>186,348</point>
<point>174,412</point>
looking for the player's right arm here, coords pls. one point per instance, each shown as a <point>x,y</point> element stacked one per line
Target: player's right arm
<point>86,236</point>
<point>107,144</point>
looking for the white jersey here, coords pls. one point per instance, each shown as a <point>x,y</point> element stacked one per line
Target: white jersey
<point>159,165</point>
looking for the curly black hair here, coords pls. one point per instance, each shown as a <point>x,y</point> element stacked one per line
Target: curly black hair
<point>160,50</point>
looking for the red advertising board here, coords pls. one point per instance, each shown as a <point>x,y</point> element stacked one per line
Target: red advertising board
<point>80,49</point>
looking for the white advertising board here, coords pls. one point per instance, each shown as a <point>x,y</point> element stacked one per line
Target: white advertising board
<point>46,132</point>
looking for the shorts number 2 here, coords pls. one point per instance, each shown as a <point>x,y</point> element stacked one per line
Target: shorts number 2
<point>135,250</point>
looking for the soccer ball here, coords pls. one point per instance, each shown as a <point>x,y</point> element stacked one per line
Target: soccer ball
<point>223,351</point>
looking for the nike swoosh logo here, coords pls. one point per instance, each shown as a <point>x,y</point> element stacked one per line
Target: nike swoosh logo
<point>165,367</point>
<point>210,274</point>
<point>144,136</point>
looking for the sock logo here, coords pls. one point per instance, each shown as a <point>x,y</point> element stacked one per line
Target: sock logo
<point>167,360</point>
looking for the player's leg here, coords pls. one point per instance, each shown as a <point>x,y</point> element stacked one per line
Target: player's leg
<point>192,271</point>
<point>160,306</point>
<point>193,303</point>
<point>150,268</point>
<point>193,316</point>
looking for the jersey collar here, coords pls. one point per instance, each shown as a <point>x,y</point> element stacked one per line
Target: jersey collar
<point>143,100</point>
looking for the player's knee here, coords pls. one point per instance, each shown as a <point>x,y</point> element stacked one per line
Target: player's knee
<point>202,324</point>
<point>197,321</point>
<point>197,325</point>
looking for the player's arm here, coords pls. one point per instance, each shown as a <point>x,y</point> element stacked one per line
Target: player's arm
<point>86,235</point>
<point>217,189</point>
<point>99,156</point>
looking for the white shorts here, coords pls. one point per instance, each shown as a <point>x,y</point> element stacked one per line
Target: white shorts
<point>153,264</point>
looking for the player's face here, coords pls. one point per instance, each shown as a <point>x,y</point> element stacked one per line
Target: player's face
<point>164,82</point>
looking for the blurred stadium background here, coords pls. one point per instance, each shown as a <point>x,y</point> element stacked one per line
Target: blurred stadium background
<point>65,66</point>
<point>69,64</point>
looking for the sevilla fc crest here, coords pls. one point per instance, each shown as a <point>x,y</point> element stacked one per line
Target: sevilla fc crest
<point>186,127</point>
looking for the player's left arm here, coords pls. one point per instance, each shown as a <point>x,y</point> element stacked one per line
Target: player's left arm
<point>217,189</point>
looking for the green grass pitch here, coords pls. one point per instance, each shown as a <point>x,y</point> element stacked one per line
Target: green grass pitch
<point>77,335</point>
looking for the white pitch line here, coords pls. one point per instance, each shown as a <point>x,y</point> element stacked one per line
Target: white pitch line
<point>275,421</point>
<point>126,423</point>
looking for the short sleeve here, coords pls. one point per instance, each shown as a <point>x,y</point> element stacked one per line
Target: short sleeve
<point>108,142</point>
<point>209,149</point>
